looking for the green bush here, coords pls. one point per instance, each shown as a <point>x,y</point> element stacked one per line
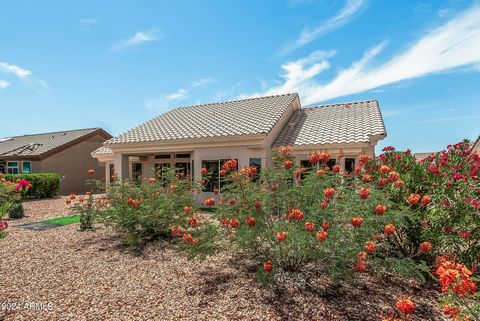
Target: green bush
<point>146,210</point>
<point>44,185</point>
<point>16,210</point>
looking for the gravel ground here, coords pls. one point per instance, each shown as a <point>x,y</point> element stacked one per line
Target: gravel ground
<point>72,275</point>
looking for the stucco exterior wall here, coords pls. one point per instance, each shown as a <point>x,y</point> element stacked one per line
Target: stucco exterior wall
<point>73,164</point>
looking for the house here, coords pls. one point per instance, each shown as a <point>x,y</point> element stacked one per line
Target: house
<point>247,130</point>
<point>66,153</point>
<point>476,145</point>
<point>421,156</point>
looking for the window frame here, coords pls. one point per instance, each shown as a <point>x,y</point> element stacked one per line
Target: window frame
<point>29,167</point>
<point>17,167</point>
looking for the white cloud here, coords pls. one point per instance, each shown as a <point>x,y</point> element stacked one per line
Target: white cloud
<point>204,82</point>
<point>18,71</point>
<point>452,45</point>
<point>344,16</point>
<point>165,101</point>
<point>140,37</point>
<point>88,24</point>
<point>4,84</point>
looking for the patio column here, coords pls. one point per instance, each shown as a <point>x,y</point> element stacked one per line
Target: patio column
<point>197,166</point>
<point>107,173</point>
<point>120,163</point>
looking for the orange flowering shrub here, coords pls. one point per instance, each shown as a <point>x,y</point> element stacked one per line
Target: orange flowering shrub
<point>459,288</point>
<point>149,209</point>
<point>305,219</point>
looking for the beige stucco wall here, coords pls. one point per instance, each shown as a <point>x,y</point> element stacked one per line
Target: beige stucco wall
<point>73,164</point>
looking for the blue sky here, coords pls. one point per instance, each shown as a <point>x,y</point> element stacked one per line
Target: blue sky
<point>115,64</point>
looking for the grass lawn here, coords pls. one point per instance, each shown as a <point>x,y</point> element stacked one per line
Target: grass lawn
<point>63,220</point>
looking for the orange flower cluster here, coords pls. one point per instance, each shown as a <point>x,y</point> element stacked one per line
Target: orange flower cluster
<point>230,165</point>
<point>356,221</point>
<point>406,306</point>
<point>295,214</point>
<point>249,171</point>
<point>363,159</point>
<point>133,203</point>
<point>285,151</point>
<point>209,201</point>
<point>381,209</point>
<point>322,236</point>
<point>319,157</point>
<point>414,199</point>
<point>455,277</point>
<point>193,222</point>
<point>329,192</point>
<point>309,226</point>
<point>389,230</point>
<point>364,192</point>
<point>287,164</point>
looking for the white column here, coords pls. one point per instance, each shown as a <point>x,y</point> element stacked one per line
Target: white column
<point>121,166</point>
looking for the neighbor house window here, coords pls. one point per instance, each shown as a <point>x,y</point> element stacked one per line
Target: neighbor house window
<point>26,167</point>
<point>12,167</point>
<point>331,163</point>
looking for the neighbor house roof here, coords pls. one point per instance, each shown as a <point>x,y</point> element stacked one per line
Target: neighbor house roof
<point>41,145</point>
<point>354,122</point>
<point>422,156</point>
<point>223,119</point>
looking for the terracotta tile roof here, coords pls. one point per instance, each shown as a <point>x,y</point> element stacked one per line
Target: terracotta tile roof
<point>353,122</point>
<point>422,156</point>
<point>101,151</point>
<point>40,144</point>
<point>230,118</point>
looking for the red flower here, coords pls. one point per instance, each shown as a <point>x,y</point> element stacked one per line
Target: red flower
<point>203,171</point>
<point>425,200</point>
<point>389,229</point>
<point>381,209</point>
<point>91,171</point>
<point>322,236</point>
<point>362,256</point>
<point>406,306</point>
<point>287,164</point>
<point>209,201</point>
<point>384,169</point>
<point>326,225</point>
<point>176,230</point>
<point>285,150</point>
<point>295,214</point>
<point>425,247</point>
<point>309,226</point>
<point>382,182</point>
<point>324,204</point>
<point>364,192</point>
<point>451,311</point>
<point>72,196</point>
<point>449,229</point>
<point>281,236</point>
<point>399,183</point>
<point>267,266</point>
<point>336,168</point>
<point>68,201</point>
<point>3,225</point>
<point>250,221</point>
<point>424,223</point>
<point>367,178</point>
<point>413,199</point>
<point>356,221</point>
<point>363,159</point>
<point>188,209</point>
<point>320,172</point>
<point>393,176</point>
<point>234,223</point>
<point>360,267</point>
<point>187,238</point>
<point>465,234</point>
<point>193,222</point>
<point>370,247</point>
<point>257,204</point>
<point>329,192</point>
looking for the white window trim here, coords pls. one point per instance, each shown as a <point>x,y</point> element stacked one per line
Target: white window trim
<point>30,167</point>
<point>8,167</point>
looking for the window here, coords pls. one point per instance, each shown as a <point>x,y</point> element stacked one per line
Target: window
<point>111,170</point>
<point>159,167</point>
<point>183,167</point>
<point>349,164</point>
<point>331,163</point>
<point>12,167</point>
<point>162,156</point>
<point>213,175</point>
<point>136,171</point>
<point>26,167</point>
<point>256,162</point>
<point>182,155</point>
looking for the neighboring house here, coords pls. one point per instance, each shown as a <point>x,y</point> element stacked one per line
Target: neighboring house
<point>421,156</point>
<point>66,153</point>
<point>247,130</point>
<point>476,145</point>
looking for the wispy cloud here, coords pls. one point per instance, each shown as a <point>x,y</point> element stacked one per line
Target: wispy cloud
<point>204,82</point>
<point>452,45</point>
<point>444,119</point>
<point>163,102</point>
<point>87,24</point>
<point>139,38</point>
<point>344,16</point>
<point>4,84</point>
<point>16,70</point>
